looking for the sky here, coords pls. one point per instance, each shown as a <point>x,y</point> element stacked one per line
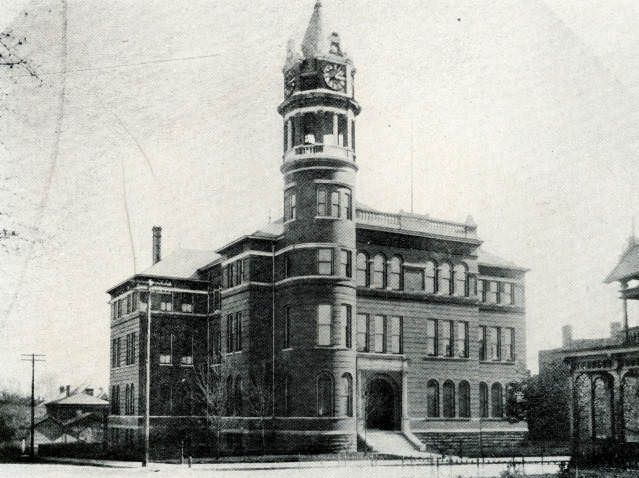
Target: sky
<point>122,115</point>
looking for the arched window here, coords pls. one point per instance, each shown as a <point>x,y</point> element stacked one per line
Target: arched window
<point>449,399</point>
<point>363,270</point>
<point>239,404</point>
<point>379,272</point>
<point>230,408</point>
<point>443,279</point>
<point>430,277</point>
<point>395,273</point>
<point>432,398</point>
<point>288,395</point>
<point>324,396</point>
<point>460,275</point>
<point>347,393</point>
<point>483,400</point>
<point>464,399</point>
<point>497,401</point>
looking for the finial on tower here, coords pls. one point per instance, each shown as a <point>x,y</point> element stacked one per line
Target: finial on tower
<point>314,36</point>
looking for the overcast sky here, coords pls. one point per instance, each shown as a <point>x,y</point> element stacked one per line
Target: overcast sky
<point>525,116</point>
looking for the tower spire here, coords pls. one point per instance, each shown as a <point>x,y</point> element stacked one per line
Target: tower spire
<point>314,37</point>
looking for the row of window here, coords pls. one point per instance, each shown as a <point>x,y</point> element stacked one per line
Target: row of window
<point>455,402</point>
<point>323,127</point>
<point>162,301</point>
<point>325,329</point>
<point>130,350</point>
<point>170,348</point>
<point>497,343</point>
<point>129,399</point>
<point>380,273</point>
<point>432,278</point>
<point>236,273</point>
<point>447,338</point>
<point>379,333</point>
<point>332,202</point>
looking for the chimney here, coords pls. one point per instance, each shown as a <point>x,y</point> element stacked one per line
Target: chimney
<point>157,244</point>
<point>615,329</point>
<point>88,391</point>
<point>68,390</point>
<point>566,336</point>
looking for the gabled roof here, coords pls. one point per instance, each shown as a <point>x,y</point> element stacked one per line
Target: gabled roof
<point>181,264</point>
<point>628,265</point>
<point>78,399</point>
<point>485,258</point>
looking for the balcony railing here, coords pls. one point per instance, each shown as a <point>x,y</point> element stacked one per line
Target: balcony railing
<point>417,223</point>
<point>319,150</point>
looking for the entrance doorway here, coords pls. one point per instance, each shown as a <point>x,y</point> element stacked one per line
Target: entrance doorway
<point>381,405</point>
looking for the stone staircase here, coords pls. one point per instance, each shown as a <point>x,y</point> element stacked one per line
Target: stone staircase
<point>390,442</point>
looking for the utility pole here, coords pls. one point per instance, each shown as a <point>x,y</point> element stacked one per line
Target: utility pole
<point>33,358</point>
<point>147,378</point>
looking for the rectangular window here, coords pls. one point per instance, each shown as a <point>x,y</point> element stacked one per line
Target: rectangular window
<point>325,262</point>
<point>287,327</point>
<point>519,294</point>
<point>239,275</point>
<point>508,293</point>
<point>127,353</point>
<point>482,343</point>
<point>493,343</point>
<point>322,209</point>
<point>348,203</point>
<point>346,263</point>
<point>118,351</point>
<point>289,205</point>
<point>461,340</point>
<point>413,280</point>
<point>113,352</point>
<point>480,290</point>
<point>162,302</point>
<point>324,321</point>
<point>491,291</point>
<point>445,338</point>
<point>129,304</point>
<point>186,360</point>
<point>395,335</point>
<point>431,337</point>
<point>348,325</point>
<point>335,204</point>
<point>362,333</point>
<point>133,347</point>
<point>238,331</point>
<point>507,344</point>
<point>184,302</point>
<point>119,307</point>
<point>166,350</point>
<point>380,334</point>
<point>229,333</point>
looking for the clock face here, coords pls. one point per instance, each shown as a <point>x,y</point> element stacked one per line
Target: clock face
<point>290,80</point>
<point>335,76</point>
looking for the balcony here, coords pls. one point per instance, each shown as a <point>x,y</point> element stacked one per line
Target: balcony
<point>319,150</point>
<point>416,223</point>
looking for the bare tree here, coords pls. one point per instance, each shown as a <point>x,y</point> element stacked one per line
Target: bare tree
<point>256,397</point>
<point>209,381</point>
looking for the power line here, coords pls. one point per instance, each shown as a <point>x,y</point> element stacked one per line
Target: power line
<point>124,65</point>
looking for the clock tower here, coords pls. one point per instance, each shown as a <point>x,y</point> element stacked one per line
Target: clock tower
<point>318,246</point>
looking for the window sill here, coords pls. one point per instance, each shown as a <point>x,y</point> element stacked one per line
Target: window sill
<point>289,221</point>
<point>235,352</point>
<point>448,419</point>
<point>165,365</point>
<point>497,362</point>
<point>287,349</point>
<point>439,357</point>
<point>332,218</point>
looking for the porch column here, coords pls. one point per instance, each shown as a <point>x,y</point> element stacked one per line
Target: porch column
<point>405,419</point>
<point>572,406</point>
<point>616,409</point>
<point>361,402</point>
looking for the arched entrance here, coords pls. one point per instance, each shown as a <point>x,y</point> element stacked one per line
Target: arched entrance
<point>381,405</point>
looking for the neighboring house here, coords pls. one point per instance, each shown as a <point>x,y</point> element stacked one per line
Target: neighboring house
<point>77,417</point>
<point>598,393</point>
<point>350,318</point>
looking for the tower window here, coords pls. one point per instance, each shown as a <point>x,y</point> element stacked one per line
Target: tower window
<point>290,205</point>
<point>379,272</point>
<point>324,324</point>
<point>335,204</point>
<point>322,209</point>
<point>363,332</point>
<point>325,261</point>
<point>346,263</point>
